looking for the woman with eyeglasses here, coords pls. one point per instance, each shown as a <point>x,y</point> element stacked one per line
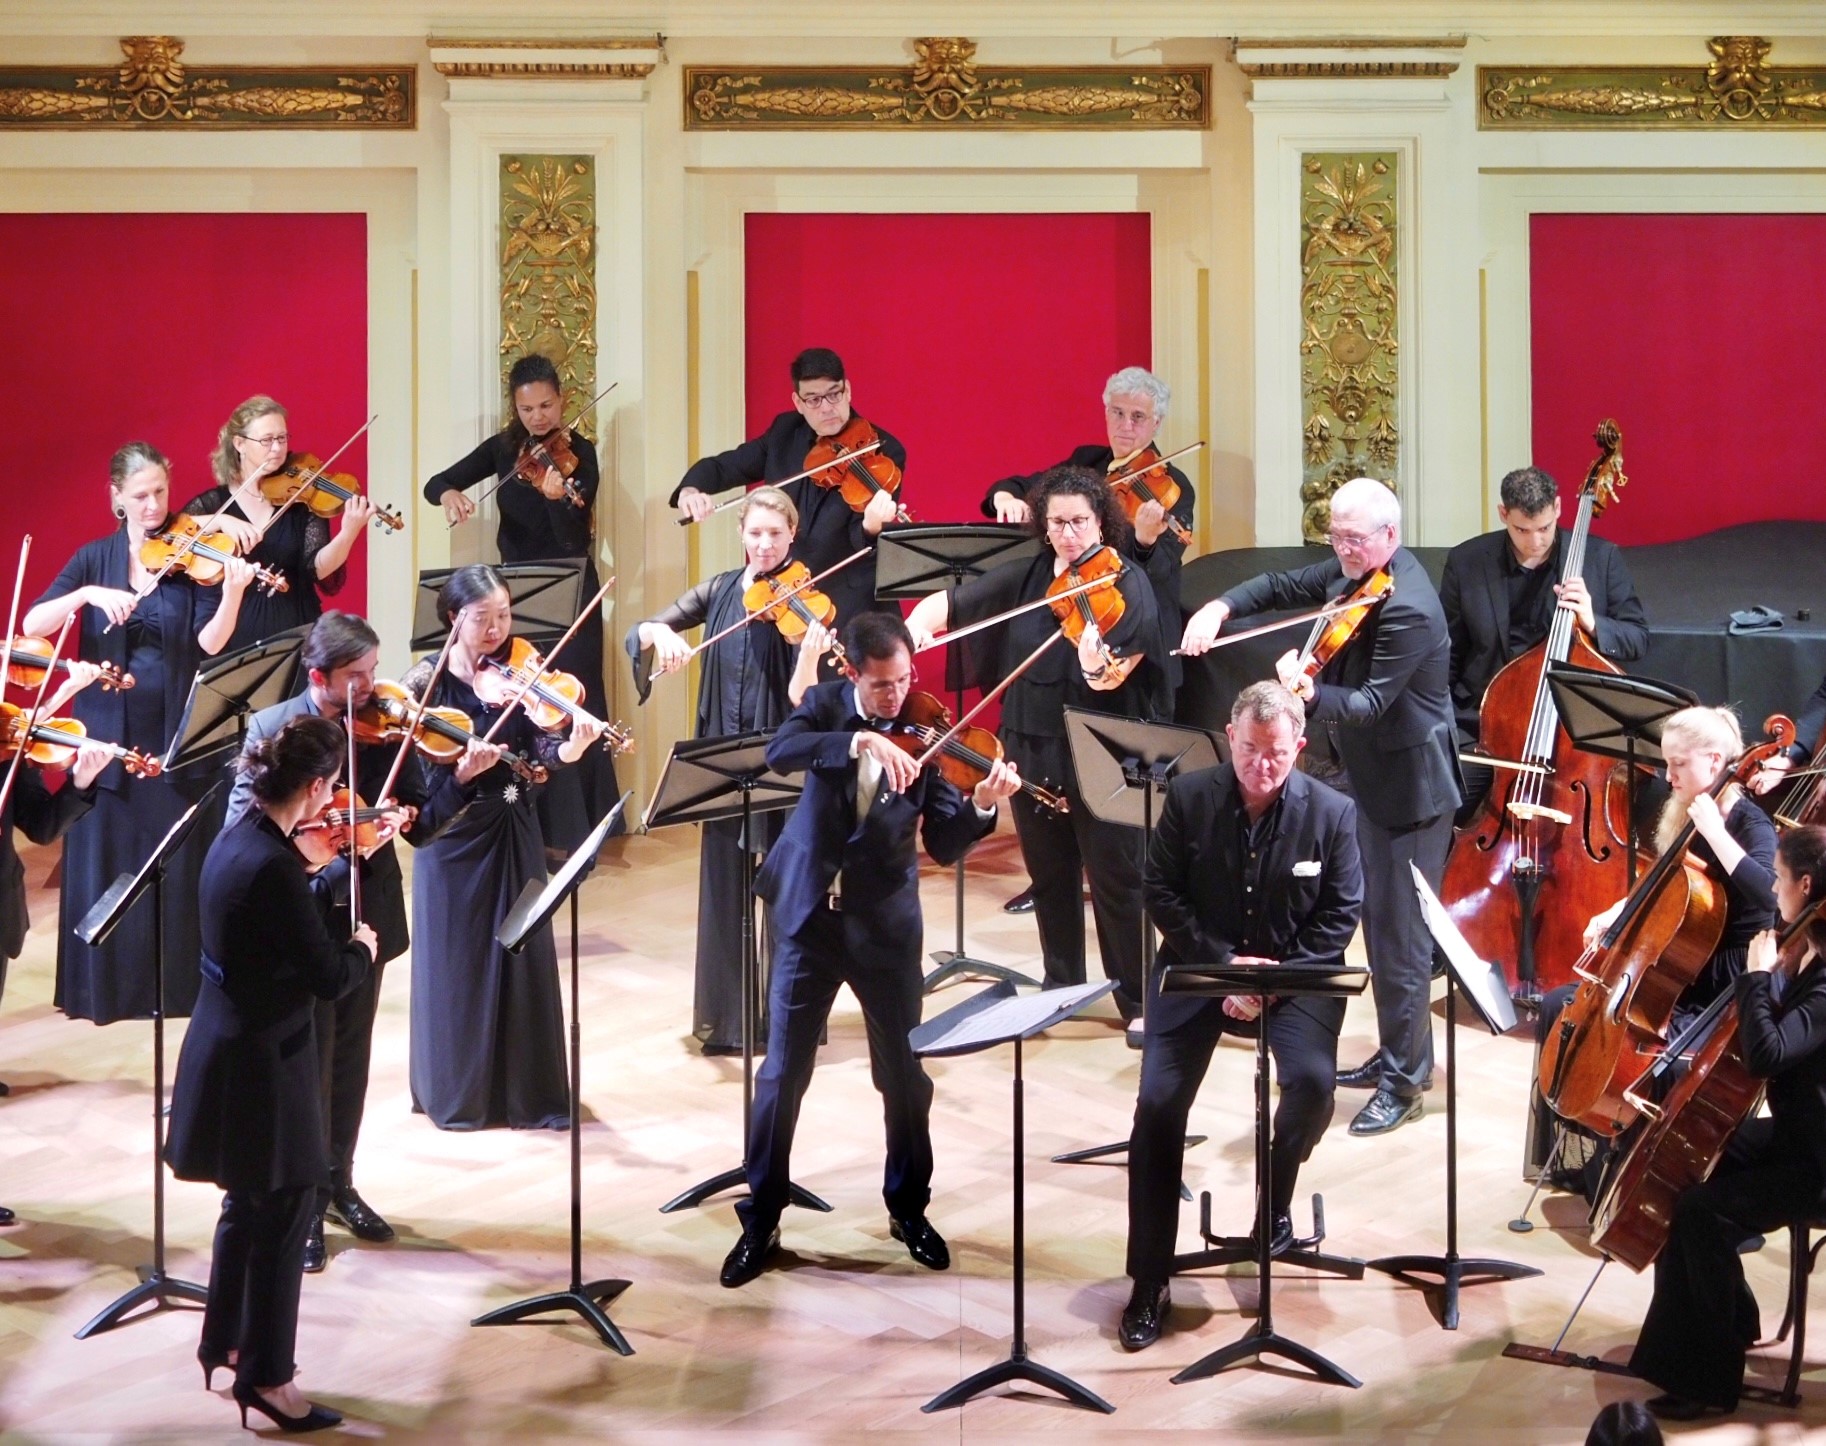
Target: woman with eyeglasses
<point>254,443</point>
<point>1076,515</point>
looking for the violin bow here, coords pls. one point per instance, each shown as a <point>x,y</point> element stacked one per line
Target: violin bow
<point>31,713</point>
<point>321,470</point>
<point>1317,615</point>
<point>348,724</point>
<point>12,624</point>
<point>958,634</point>
<point>582,411</point>
<point>519,695</point>
<point>1000,688</point>
<point>418,713</point>
<point>742,497</point>
<point>1179,529</point>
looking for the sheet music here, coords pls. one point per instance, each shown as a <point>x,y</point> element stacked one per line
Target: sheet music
<point>1481,980</point>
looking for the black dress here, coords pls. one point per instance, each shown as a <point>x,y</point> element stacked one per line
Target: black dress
<point>290,549</point>
<point>487,1026</point>
<point>131,815</point>
<point>535,529</point>
<point>43,817</point>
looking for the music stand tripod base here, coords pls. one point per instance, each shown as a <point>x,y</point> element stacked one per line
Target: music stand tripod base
<point>737,1179</point>
<point>953,964</point>
<point>1236,1249</point>
<point>161,1290</point>
<point>587,1301</point>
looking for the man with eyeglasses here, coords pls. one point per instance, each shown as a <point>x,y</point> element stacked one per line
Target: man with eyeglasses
<point>1387,691</point>
<point>829,530</point>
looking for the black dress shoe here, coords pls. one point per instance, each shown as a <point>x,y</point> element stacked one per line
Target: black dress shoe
<point>1145,1315</point>
<point>1280,1238</point>
<point>923,1243</point>
<point>358,1217</point>
<point>318,1418</point>
<point>1366,1076</point>
<point>316,1254</point>
<point>1021,903</point>
<point>750,1255</point>
<point>1678,1408</point>
<point>6,1216</point>
<point>1386,1112</point>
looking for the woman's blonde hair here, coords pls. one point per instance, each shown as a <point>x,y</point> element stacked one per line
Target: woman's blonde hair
<point>774,500</point>
<point>1714,729</point>
<point>226,462</point>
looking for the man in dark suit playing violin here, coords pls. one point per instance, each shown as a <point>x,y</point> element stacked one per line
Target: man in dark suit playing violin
<point>1386,692</point>
<point>843,887</point>
<point>829,529</point>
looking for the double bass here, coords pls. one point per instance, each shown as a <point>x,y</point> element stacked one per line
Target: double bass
<point>1548,846</point>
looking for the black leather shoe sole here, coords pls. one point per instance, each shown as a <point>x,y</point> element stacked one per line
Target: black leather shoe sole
<point>749,1257</point>
<point>923,1243</point>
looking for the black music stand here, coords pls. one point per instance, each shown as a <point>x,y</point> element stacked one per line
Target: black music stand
<point>911,562</point>
<point>999,1016</point>
<point>545,597</point>
<point>1484,985</point>
<point>532,911</point>
<point>155,1286</point>
<point>1123,765</point>
<point>1273,982</point>
<point>706,780</point>
<point>227,690</point>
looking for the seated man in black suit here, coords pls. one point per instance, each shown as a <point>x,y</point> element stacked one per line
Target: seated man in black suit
<point>1253,863</point>
<point>843,885</point>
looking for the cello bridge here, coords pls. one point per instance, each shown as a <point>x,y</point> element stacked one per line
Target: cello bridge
<point>1641,1105</point>
<point>1532,811</point>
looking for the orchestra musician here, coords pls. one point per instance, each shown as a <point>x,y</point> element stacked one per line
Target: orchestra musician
<point>1077,517</point>
<point>159,639</point>
<point>843,882</point>
<point>540,522</point>
<point>487,1028</point>
<point>254,443</point>
<point>1386,692</point>
<point>1809,726</point>
<point>245,1106</point>
<point>829,529</point>
<point>1702,1315</point>
<point>1252,863</point>
<point>744,686</point>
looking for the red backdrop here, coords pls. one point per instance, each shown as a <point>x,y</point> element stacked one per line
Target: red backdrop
<point>1698,333</point>
<point>155,327</point>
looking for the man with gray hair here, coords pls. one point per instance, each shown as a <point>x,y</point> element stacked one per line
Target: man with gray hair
<point>1386,693</point>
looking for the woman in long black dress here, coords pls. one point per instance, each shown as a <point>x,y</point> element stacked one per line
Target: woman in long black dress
<point>245,1110</point>
<point>744,687</point>
<point>487,1027</point>
<point>160,639</point>
<point>540,523</point>
<point>254,443</point>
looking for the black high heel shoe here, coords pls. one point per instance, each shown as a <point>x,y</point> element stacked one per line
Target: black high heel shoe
<point>318,1418</point>
<point>210,1364</point>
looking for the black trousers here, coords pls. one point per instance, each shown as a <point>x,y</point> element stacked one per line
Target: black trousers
<point>808,969</point>
<point>716,1007</point>
<point>1400,948</point>
<point>345,1045</point>
<point>1303,1042</point>
<point>255,1277</point>
<point>1702,1317</point>
<point>1060,852</point>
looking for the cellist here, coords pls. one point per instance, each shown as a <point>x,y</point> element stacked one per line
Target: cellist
<point>1702,1314</point>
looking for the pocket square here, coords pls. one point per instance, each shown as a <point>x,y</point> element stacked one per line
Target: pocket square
<point>1306,869</point>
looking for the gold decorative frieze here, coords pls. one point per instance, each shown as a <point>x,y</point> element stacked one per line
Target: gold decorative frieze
<point>946,87</point>
<point>1350,58</point>
<point>548,268</point>
<point>153,88</point>
<point>1737,90</point>
<point>612,58</point>
<point>1348,343</point>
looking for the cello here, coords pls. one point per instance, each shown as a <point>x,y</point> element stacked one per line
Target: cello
<point>1548,846</point>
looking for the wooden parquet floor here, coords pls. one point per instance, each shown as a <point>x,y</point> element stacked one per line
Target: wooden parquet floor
<point>847,1338</point>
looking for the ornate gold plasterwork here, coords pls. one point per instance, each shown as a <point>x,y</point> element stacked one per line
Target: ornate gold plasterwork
<point>1348,343</point>
<point>153,88</point>
<point>548,267</point>
<point>1738,89</point>
<point>946,87</point>
<point>560,59</point>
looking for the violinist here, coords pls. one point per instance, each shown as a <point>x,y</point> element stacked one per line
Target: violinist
<point>1809,732</point>
<point>160,639</point>
<point>829,529</point>
<point>487,1028</point>
<point>552,515</point>
<point>743,687</point>
<point>1385,694</point>
<point>1702,1315</point>
<point>843,881</point>
<point>254,443</point>
<point>1120,673</point>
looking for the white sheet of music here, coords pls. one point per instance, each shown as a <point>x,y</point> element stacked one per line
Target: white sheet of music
<point>1479,978</point>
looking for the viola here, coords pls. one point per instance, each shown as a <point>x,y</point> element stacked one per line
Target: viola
<point>183,545</point>
<point>553,699</point>
<point>327,834</point>
<point>1102,606</point>
<point>303,478</point>
<point>1145,479</point>
<point>859,480</point>
<point>53,743</point>
<point>551,452</point>
<point>27,658</point>
<point>1615,1025</point>
<point>782,597</point>
<point>442,734</point>
<point>968,754</point>
<point>1352,611</point>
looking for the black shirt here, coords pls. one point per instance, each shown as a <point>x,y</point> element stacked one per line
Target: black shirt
<point>533,527</point>
<point>1252,840</point>
<point>1531,596</point>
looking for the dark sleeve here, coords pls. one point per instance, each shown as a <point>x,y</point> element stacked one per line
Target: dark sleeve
<point>316,538</point>
<point>1751,885</point>
<point>949,822</point>
<point>1622,624</point>
<point>1274,591</point>
<point>83,568</point>
<point>1137,631</point>
<point>739,467</point>
<point>293,914</point>
<point>895,449</point>
<point>1772,1044</point>
<point>801,744</point>
<point>690,611</point>
<point>206,504</point>
<point>41,815</point>
<point>1807,728</point>
<point>440,803</point>
<point>1326,932</point>
<point>1167,888</point>
<point>1403,641</point>
<point>1163,556</point>
<point>1451,598</point>
<point>981,597</point>
<point>478,466</point>
<point>1021,483</point>
<point>571,523</point>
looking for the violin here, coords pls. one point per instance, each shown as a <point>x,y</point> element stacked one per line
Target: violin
<point>442,734</point>
<point>26,659</point>
<point>325,494</point>
<point>967,756</point>
<point>553,699</point>
<point>1330,634</point>
<point>859,480</point>
<point>551,452</point>
<point>53,743</point>
<point>1145,479</point>
<point>322,837</point>
<point>766,600</point>
<point>182,543</point>
<point>1102,606</point>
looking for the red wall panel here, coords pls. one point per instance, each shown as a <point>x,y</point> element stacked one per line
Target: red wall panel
<point>1698,333</point>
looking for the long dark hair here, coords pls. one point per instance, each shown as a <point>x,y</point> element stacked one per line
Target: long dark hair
<point>279,766</point>
<point>1804,851</point>
<point>465,586</point>
<point>1078,482</point>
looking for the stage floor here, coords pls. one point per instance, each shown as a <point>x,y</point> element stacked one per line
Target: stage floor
<point>847,1336</point>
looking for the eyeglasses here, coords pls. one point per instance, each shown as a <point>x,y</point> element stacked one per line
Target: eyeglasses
<point>1353,540</point>
<point>822,399</point>
<point>279,441</point>
<point>1070,524</point>
<point>1135,419</point>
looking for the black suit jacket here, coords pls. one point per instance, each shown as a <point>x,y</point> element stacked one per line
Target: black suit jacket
<point>1474,591</point>
<point>878,857</point>
<point>1784,1042</point>
<point>1194,887</point>
<point>43,817</point>
<point>1387,688</point>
